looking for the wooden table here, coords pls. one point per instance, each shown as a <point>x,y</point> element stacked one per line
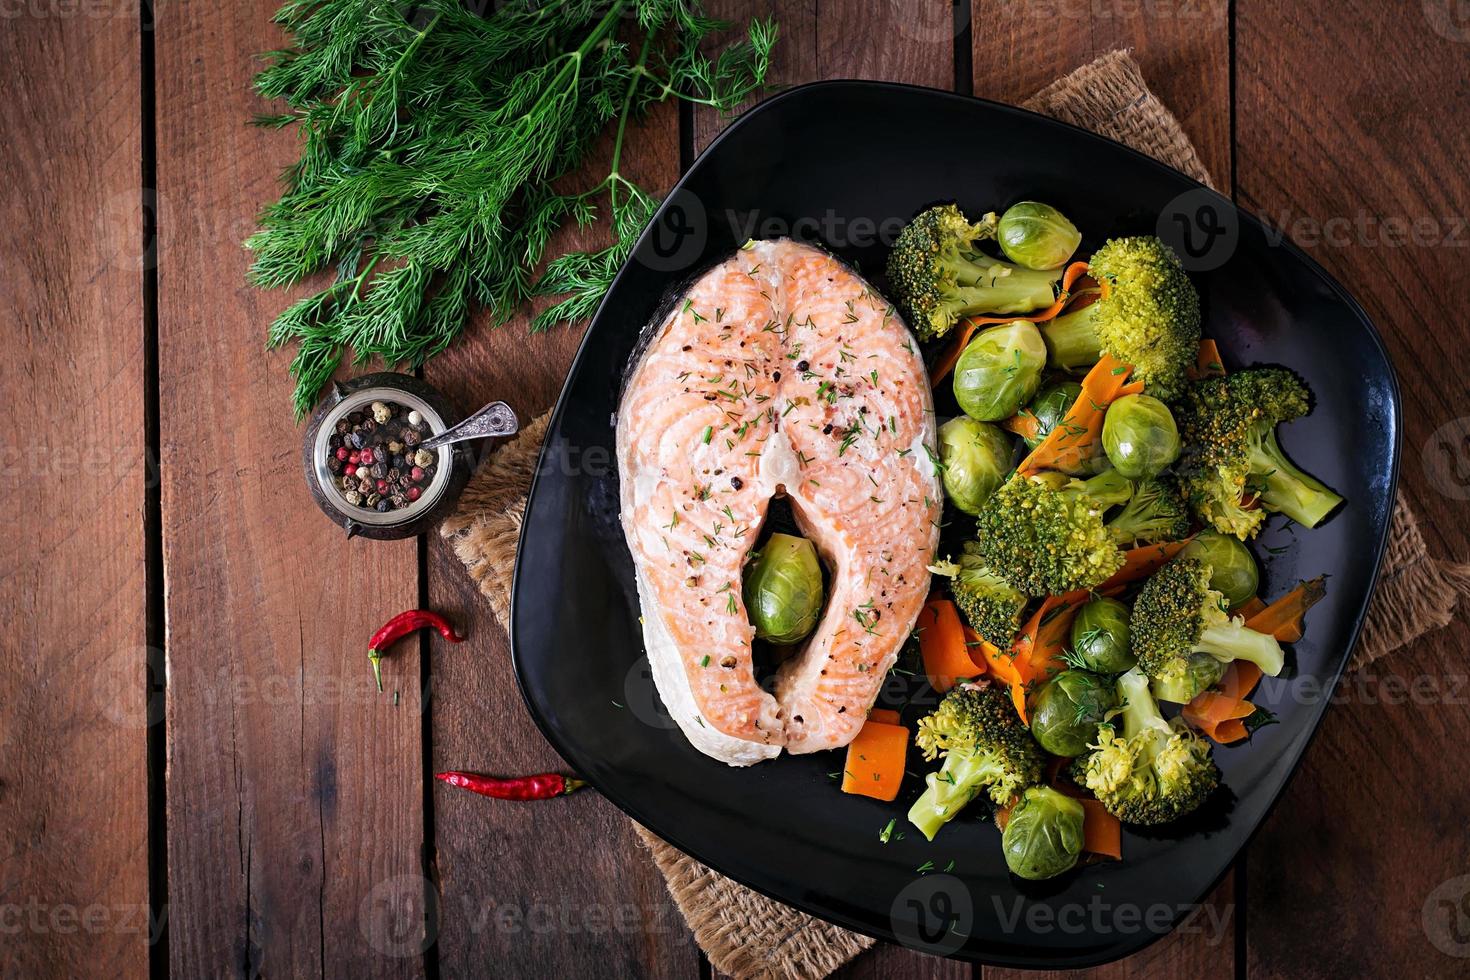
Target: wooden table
<point>189,736</point>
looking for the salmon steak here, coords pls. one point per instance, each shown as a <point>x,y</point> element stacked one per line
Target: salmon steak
<point>780,372</point>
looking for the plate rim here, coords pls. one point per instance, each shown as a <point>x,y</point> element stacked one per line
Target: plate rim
<point>1143,938</point>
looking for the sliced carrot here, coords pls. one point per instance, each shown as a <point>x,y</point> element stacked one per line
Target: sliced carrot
<point>962,336</point>
<point>1039,646</point>
<point>1131,388</point>
<point>1000,664</point>
<point>1207,363</point>
<point>976,648</point>
<point>1249,608</point>
<point>942,643</point>
<point>1077,440</point>
<point>883,716</point>
<point>1140,563</point>
<point>1283,618</point>
<point>1240,679</point>
<point>875,761</point>
<point>1101,832</point>
<point>1211,713</point>
<point>1023,423</point>
<point>1003,816</point>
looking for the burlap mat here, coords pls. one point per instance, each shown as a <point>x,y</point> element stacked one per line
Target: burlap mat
<point>743,933</point>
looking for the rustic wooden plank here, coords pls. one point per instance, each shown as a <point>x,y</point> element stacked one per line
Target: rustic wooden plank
<point>566,890</point>
<point>294,790</point>
<point>1365,171</point>
<point>1183,47</point>
<point>74,709</point>
<point>908,41</point>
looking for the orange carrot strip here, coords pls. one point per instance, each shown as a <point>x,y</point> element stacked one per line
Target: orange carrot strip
<point>1249,608</point>
<point>1283,618</point>
<point>1023,424</point>
<point>1039,646</point>
<point>1101,832</point>
<point>1140,563</point>
<point>875,761</point>
<point>1210,711</point>
<point>1077,439</point>
<point>1207,363</point>
<point>1003,817</point>
<point>1000,664</point>
<point>942,643</point>
<point>976,648</point>
<point>1240,679</point>
<point>956,347</point>
<point>883,716</point>
<point>1131,388</point>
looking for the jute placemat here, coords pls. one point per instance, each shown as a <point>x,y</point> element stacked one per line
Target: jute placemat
<point>743,933</point>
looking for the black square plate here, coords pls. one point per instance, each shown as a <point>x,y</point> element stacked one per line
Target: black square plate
<point>845,164</point>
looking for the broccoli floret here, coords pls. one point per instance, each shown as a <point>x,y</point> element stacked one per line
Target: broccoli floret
<point>1181,687</point>
<point>1230,451</point>
<point>985,748</point>
<point>990,604</point>
<point>1147,315</point>
<point>1153,772</point>
<point>939,275</point>
<point>1045,535</point>
<point>1155,512</point>
<point>1177,614</point>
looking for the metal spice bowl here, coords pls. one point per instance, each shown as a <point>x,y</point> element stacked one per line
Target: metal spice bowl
<point>452,469</point>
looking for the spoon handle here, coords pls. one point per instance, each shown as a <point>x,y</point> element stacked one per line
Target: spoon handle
<point>495,419</point>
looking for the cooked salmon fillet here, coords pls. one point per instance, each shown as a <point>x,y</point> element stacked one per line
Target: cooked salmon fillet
<point>779,372</point>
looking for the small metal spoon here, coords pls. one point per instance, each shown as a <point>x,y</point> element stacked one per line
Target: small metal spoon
<point>495,419</point>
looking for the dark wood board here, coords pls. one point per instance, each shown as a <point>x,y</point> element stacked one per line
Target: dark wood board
<point>74,704</point>
<point>1183,47</point>
<point>295,819</point>
<point>1348,129</point>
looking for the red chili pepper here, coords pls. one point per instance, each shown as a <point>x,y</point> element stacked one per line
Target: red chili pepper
<point>402,625</point>
<point>542,787</point>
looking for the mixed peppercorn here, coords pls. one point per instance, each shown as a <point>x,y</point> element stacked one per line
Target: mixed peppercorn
<point>374,457</point>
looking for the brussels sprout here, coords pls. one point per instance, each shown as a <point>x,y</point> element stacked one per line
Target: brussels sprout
<point>1044,835</point>
<point>976,457</point>
<point>1068,709</point>
<point>783,589</point>
<point>1139,436</point>
<point>999,371</point>
<point>1200,673</point>
<point>1233,570</point>
<point>1037,236</point>
<point>1050,407</point>
<point>1100,640</point>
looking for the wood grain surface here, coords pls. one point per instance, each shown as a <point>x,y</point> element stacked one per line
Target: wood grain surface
<point>304,834</point>
<point>1351,140</point>
<point>74,685</point>
<point>295,791</point>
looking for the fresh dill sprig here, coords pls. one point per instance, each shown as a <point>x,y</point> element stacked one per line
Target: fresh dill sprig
<point>433,143</point>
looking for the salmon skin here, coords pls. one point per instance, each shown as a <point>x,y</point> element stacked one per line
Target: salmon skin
<point>780,371</point>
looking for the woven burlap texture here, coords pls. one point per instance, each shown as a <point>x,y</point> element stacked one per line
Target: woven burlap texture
<point>743,933</point>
